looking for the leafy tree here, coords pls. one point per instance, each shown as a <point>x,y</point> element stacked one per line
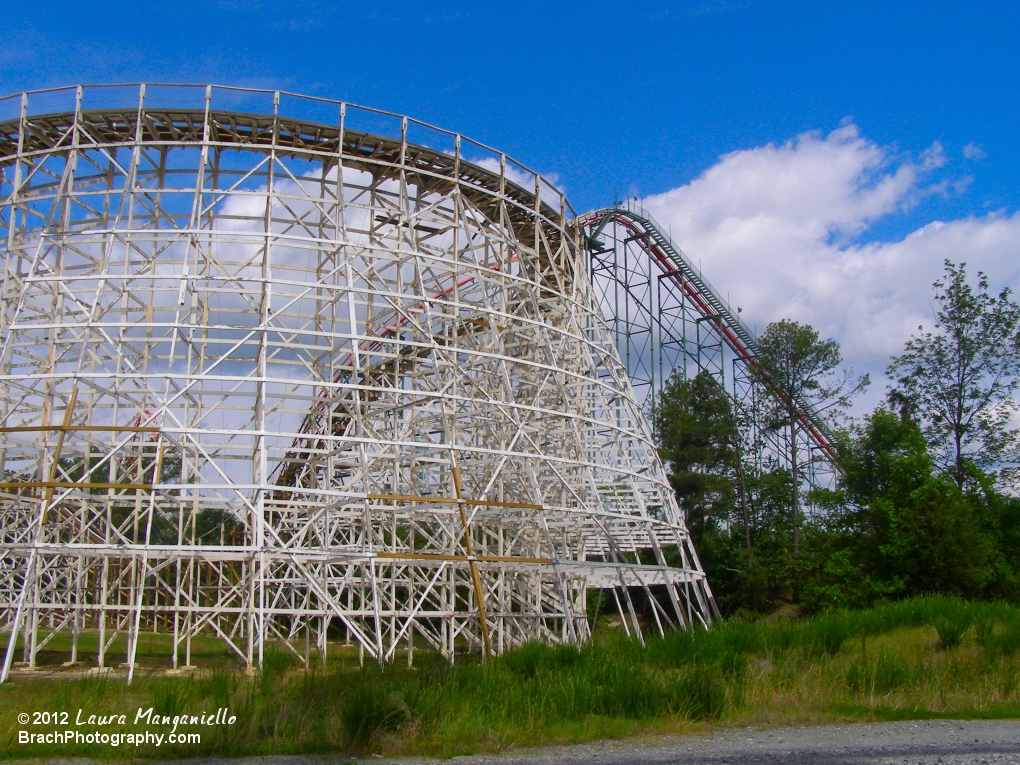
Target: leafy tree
<point>937,543</point>
<point>697,431</point>
<point>961,377</point>
<point>737,515</point>
<point>899,528</point>
<point>769,574</point>
<point>799,369</point>
<point>700,441</point>
<point>1002,519</point>
<point>884,457</point>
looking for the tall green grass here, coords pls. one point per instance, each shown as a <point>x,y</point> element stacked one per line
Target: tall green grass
<point>931,656</point>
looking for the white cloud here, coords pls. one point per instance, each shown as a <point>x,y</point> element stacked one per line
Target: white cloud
<point>551,189</point>
<point>778,229</point>
<point>973,151</point>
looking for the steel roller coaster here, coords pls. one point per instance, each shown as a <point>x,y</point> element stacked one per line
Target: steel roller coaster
<point>665,316</point>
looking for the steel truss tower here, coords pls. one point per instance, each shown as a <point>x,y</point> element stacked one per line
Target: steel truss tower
<point>279,369</point>
<point>665,316</point>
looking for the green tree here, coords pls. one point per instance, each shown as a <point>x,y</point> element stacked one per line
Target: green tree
<point>960,379</point>
<point>737,515</point>
<point>1002,520</point>
<point>696,430</point>
<point>700,441</point>
<point>800,369</point>
<point>897,527</point>
<point>769,574</point>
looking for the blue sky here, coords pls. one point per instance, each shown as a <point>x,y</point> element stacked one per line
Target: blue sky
<point>609,96</point>
<point>672,101</point>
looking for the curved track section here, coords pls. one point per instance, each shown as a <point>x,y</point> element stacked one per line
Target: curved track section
<point>288,370</point>
<point>664,314</point>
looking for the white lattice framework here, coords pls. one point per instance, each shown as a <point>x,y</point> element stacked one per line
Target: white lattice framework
<point>274,370</point>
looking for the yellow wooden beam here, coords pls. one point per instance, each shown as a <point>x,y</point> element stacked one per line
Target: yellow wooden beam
<point>451,501</point>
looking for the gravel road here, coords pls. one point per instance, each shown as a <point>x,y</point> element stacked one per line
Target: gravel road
<point>923,743</point>
<point>901,743</point>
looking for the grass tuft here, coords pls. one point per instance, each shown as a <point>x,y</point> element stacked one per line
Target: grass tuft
<point>368,711</point>
<point>952,624</point>
<point>999,637</point>
<point>170,696</point>
<point>878,675</point>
